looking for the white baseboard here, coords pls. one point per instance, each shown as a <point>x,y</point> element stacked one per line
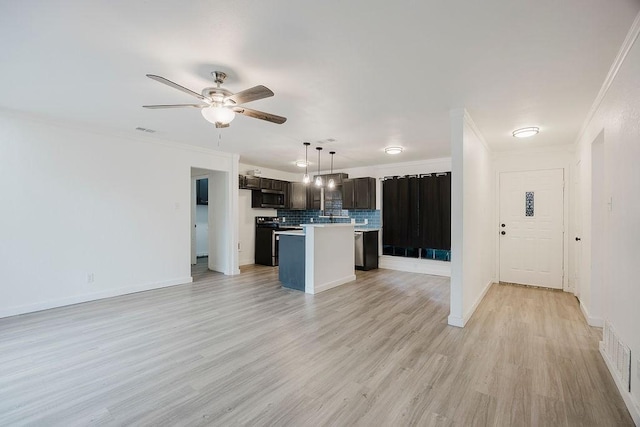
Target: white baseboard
<point>591,321</point>
<point>455,321</point>
<point>61,302</point>
<point>415,265</point>
<point>461,321</point>
<point>246,261</point>
<point>632,405</point>
<point>341,281</point>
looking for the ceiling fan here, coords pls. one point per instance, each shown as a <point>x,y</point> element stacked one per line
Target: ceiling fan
<point>220,105</point>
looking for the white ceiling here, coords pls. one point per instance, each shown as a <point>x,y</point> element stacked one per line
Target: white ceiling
<point>366,73</point>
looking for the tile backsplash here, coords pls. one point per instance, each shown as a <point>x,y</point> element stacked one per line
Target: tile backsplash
<point>297,217</point>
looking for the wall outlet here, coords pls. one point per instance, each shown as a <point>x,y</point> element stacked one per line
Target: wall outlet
<point>311,219</point>
<point>90,278</point>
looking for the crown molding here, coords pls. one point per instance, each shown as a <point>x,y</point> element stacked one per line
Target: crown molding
<point>631,38</point>
<point>476,131</point>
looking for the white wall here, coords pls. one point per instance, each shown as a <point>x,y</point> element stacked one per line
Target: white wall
<point>472,218</point>
<point>221,209</point>
<point>617,113</point>
<point>77,203</point>
<point>202,230</point>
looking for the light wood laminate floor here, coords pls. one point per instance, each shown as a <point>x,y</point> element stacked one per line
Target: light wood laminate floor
<point>244,351</point>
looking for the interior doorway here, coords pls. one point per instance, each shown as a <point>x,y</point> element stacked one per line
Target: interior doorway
<point>532,228</point>
<point>201,225</point>
<point>199,214</point>
<point>210,205</point>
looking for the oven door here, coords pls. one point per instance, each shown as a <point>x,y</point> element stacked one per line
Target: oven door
<point>264,246</point>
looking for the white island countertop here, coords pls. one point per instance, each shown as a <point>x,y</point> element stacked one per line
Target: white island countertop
<point>342,224</point>
<point>291,232</point>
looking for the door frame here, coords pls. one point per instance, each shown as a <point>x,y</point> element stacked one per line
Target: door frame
<point>565,215</point>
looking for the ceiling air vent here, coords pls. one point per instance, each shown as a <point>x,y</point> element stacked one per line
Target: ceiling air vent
<point>145,130</point>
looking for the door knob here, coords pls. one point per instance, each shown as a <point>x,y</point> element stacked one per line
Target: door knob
<point>503,232</point>
<point>578,239</point>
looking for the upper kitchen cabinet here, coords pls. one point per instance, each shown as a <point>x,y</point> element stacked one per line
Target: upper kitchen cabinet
<point>313,197</point>
<point>298,196</point>
<point>251,182</point>
<point>266,184</point>
<point>338,178</point>
<point>359,193</point>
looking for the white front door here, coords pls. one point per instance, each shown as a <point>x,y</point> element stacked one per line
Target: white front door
<point>531,227</point>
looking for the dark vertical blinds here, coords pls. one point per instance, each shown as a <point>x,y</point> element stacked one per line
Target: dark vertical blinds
<point>416,212</point>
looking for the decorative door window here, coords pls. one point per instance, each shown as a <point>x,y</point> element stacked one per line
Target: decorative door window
<point>528,203</point>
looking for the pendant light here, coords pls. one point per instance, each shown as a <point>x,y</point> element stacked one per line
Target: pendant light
<point>319,178</point>
<point>305,178</point>
<point>331,183</point>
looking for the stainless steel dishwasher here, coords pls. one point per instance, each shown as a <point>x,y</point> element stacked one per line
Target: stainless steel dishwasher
<point>359,248</point>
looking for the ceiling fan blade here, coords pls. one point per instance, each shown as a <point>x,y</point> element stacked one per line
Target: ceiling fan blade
<point>175,86</point>
<point>153,107</point>
<point>260,115</point>
<point>222,125</point>
<point>253,94</point>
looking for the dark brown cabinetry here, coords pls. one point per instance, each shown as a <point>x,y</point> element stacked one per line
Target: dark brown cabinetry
<point>338,178</point>
<point>266,184</point>
<point>313,197</point>
<point>359,193</point>
<point>366,249</point>
<point>298,196</point>
<point>251,182</point>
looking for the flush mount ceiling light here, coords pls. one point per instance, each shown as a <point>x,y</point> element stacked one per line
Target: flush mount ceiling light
<point>302,163</point>
<point>306,178</point>
<point>393,150</point>
<point>526,132</point>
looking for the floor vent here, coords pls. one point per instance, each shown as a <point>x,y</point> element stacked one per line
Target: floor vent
<point>618,353</point>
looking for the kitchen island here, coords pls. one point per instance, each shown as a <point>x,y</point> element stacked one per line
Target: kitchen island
<point>318,258</point>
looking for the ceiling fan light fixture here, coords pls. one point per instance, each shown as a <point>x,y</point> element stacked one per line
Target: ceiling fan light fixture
<point>393,150</point>
<point>526,132</point>
<point>215,114</point>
